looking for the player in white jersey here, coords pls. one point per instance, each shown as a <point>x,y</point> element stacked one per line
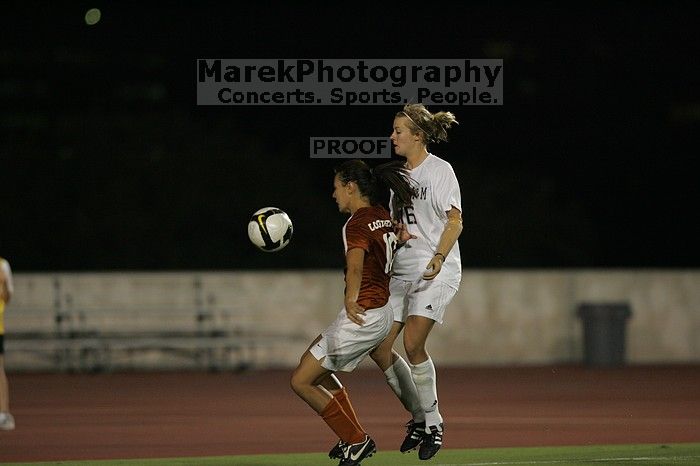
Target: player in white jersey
<point>426,272</point>
<point>7,422</point>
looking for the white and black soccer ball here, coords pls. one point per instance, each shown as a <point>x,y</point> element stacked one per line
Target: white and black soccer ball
<point>270,229</point>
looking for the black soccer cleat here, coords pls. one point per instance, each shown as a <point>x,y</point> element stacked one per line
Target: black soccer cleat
<point>432,441</point>
<point>353,454</point>
<point>414,436</point>
<point>336,452</point>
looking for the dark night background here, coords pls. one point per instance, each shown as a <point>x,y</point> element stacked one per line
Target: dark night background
<point>106,163</point>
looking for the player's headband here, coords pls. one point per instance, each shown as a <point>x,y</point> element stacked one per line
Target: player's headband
<point>427,134</point>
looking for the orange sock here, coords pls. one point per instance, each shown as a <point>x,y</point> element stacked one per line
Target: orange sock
<point>342,397</point>
<point>339,422</point>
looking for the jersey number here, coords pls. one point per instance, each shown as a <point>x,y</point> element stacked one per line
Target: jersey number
<point>410,216</point>
<point>390,241</point>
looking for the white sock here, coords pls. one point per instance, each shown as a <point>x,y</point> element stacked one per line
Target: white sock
<point>424,378</point>
<point>399,378</point>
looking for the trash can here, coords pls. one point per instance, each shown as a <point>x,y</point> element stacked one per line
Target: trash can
<point>604,333</point>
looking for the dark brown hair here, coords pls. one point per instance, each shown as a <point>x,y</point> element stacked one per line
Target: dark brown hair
<point>376,182</point>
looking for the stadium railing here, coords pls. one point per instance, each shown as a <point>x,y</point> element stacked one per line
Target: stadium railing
<point>148,339</point>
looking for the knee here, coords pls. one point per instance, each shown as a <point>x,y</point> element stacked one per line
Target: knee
<point>415,352</point>
<point>382,355</point>
<point>297,383</point>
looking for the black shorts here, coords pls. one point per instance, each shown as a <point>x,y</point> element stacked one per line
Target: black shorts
<point>2,344</point>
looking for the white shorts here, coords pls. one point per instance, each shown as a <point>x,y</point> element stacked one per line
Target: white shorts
<point>427,298</point>
<point>344,344</point>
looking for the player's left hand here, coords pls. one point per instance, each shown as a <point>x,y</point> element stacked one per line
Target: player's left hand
<point>433,268</point>
<point>402,233</point>
<point>354,312</point>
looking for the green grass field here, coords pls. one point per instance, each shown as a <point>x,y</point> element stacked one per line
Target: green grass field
<point>685,454</point>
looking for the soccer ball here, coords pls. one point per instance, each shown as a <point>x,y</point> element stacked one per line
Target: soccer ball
<point>270,229</point>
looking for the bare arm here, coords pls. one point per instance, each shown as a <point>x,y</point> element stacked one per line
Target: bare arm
<point>448,238</point>
<point>354,259</point>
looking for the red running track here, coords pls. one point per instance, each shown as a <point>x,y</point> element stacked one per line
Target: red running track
<point>144,415</point>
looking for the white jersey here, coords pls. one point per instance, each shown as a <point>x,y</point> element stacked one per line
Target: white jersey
<point>437,191</point>
<point>6,275</point>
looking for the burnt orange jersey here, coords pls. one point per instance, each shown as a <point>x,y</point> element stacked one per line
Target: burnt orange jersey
<point>370,228</point>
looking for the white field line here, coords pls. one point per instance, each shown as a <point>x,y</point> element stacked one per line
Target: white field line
<point>568,461</point>
<point>550,420</point>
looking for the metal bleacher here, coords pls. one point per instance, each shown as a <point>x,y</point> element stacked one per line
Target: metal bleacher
<point>68,339</point>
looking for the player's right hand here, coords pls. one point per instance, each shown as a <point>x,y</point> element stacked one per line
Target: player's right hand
<point>354,312</point>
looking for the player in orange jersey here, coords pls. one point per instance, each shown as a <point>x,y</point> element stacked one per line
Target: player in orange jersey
<point>370,241</point>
